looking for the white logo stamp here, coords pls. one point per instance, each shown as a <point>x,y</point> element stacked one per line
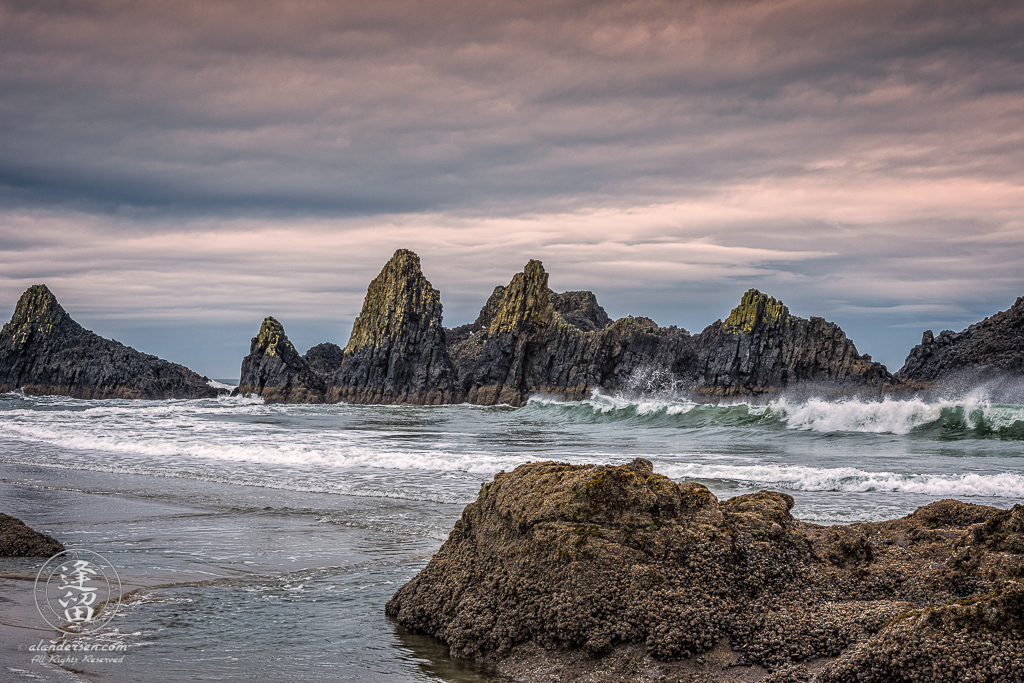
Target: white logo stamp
<point>77,591</point>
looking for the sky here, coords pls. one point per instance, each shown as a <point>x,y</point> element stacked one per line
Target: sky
<point>177,171</point>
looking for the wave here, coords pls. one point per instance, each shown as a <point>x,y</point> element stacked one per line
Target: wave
<point>853,480</point>
<point>970,416</point>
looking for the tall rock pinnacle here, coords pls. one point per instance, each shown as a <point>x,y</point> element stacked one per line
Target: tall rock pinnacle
<point>397,352</point>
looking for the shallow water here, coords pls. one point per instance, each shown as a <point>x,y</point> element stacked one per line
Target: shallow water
<point>262,541</point>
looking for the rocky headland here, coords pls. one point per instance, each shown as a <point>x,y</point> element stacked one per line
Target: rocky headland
<point>43,351</point>
<point>992,348</point>
<point>564,572</point>
<point>529,339</point>
<point>17,539</point>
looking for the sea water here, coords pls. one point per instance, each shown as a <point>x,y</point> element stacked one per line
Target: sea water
<point>261,542</point>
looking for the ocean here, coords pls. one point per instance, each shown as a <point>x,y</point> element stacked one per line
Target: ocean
<point>260,542</point>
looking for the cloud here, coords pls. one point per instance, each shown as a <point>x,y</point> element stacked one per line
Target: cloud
<point>493,107</point>
<point>855,255</point>
<point>162,163</point>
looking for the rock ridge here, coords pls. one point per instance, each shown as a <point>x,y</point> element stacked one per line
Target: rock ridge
<point>44,351</point>
<point>528,339</point>
<point>988,349</point>
<point>762,347</point>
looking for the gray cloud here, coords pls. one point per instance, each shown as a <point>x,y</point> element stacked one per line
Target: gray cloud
<point>180,170</point>
<point>392,107</point>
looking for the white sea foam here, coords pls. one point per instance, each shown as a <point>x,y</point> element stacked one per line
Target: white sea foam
<point>386,451</point>
<point>850,479</point>
<point>888,416</point>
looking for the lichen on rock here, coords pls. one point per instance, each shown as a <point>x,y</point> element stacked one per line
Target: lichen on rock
<point>756,310</point>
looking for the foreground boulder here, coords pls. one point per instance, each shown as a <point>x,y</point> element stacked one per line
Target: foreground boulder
<point>43,351</point>
<point>992,348</point>
<point>602,573</point>
<point>19,540</point>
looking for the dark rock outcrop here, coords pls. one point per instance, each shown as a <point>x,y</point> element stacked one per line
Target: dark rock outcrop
<point>275,371</point>
<point>761,347</point>
<point>993,347</point>
<point>522,344</point>
<point>529,339</point>
<point>43,351</point>
<point>581,310</point>
<point>19,540</point>
<point>603,573</point>
<point>397,352</point>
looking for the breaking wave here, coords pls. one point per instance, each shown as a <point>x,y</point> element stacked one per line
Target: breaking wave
<point>854,480</point>
<point>973,416</point>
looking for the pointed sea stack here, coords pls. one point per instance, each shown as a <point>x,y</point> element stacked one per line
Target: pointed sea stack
<point>517,318</point>
<point>276,372</point>
<point>43,351</point>
<point>397,352</point>
<point>992,348</point>
<point>761,347</point>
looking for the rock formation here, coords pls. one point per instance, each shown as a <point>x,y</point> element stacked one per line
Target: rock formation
<point>604,573</point>
<point>397,352</point>
<point>275,371</point>
<point>19,540</point>
<point>523,343</point>
<point>43,351</point>
<point>529,339</point>
<point>993,347</point>
<point>761,347</point>
<point>581,310</point>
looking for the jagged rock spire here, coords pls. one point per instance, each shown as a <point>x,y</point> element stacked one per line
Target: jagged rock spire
<point>38,314</point>
<point>526,302</point>
<point>397,352</point>
<point>399,297</point>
